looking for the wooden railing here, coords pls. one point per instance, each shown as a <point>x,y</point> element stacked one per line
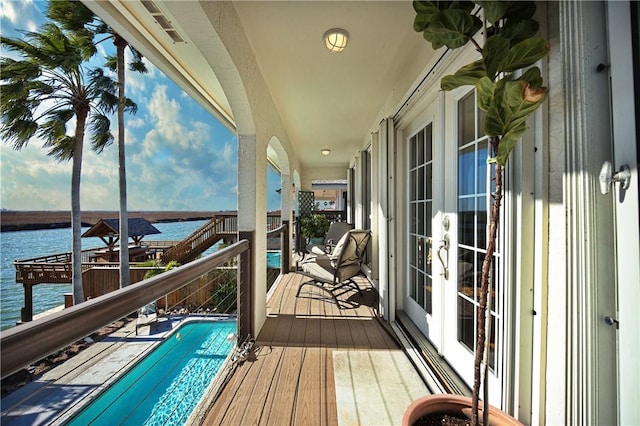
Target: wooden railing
<point>41,272</point>
<point>29,342</point>
<point>285,245</point>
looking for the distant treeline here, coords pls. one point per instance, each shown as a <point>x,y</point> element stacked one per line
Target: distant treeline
<point>15,220</point>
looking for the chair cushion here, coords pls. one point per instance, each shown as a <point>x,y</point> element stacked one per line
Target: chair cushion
<point>335,254</point>
<point>336,231</point>
<point>319,266</point>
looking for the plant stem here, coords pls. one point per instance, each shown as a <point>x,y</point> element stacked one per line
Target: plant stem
<point>484,286</point>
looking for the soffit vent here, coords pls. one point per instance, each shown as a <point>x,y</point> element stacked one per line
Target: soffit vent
<point>162,20</point>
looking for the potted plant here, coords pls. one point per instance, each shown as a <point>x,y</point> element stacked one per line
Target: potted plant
<point>314,228</point>
<point>509,89</point>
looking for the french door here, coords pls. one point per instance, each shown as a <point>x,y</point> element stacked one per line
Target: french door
<point>424,286</point>
<point>469,185</point>
<point>449,187</point>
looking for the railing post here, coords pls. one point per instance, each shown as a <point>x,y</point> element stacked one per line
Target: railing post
<point>245,287</point>
<point>285,256</point>
<point>299,240</point>
<point>27,310</point>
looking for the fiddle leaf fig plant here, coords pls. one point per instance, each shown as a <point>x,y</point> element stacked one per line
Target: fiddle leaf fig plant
<point>509,89</point>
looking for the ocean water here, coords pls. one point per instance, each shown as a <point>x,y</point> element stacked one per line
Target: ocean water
<point>21,245</point>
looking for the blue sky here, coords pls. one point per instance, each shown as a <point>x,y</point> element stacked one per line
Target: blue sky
<point>178,156</point>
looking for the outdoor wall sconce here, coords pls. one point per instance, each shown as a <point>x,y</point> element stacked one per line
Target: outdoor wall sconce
<point>336,39</point>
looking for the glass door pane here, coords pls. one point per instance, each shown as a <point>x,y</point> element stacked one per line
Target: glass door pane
<point>420,215</point>
<point>475,177</point>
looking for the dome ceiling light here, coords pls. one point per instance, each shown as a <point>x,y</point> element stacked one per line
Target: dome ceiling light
<point>336,39</point>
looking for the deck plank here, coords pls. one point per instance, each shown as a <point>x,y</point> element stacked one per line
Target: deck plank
<point>309,401</point>
<point>291,380</point>
<point>284,399</point>
<point>268,362</point>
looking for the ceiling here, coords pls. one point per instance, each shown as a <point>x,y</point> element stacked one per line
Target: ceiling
<point>325,100</point>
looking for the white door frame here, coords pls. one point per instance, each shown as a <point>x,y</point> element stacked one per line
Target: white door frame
<point>626,210</point>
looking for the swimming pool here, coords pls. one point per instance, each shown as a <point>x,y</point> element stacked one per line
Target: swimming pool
<point>165,386</point>
<point>273,259</point>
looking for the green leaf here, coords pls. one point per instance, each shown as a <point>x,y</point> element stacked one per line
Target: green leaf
<point>513,102</point>
<point>468,75</point>
<point>525,53</point>
<point>533,77</point>
<point>518,10</point>
<point>493,123</point>
<point>467,6</point>
<point>452,28</point>
<point>485,88</point>
<point>508,142</point>
<point>518,102</point>
<point>517,31</point>
<point>493,10</point>
<point>425,11</point>
<point>494,54</point>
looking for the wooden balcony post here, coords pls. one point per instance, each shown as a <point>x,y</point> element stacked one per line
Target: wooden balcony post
<point>285,256</point>
<point>27,310</point>
<point>245,287</point>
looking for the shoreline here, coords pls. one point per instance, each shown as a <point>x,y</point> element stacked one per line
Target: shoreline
<point>23,220</point>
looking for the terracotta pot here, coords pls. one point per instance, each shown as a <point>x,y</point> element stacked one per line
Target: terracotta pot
<point>452,404</point>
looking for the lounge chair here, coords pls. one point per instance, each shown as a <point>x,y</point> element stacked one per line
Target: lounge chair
<point>335,272</point>
<point>334,233</point>
<point>147,315</point>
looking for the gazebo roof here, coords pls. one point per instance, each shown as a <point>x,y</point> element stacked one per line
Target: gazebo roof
<point>138,227</point>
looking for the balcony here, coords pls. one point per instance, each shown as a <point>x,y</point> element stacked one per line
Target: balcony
<point>312,363</point>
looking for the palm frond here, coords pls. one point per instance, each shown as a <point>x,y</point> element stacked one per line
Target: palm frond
<point>130,106</point>
<point>55,127</point>
<point>62,148</point>
<point>137,64</point>
<point>101,136</point>
<point>111,62</point>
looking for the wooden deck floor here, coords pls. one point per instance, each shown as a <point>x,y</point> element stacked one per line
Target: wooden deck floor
<point>291,379</point>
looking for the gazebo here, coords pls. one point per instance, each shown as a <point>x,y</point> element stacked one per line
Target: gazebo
<point>108,231</point>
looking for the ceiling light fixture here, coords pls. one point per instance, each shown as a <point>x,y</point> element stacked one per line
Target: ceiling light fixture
<point>336,39</point>
<point>325,151</point>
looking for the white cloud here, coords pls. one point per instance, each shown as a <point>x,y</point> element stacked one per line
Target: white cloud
<point>8,11</point>
<point>135,123</point>
<point>229,153</point>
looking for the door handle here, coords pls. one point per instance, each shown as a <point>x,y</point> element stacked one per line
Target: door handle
<point>444,245</point>
<point>607,177</point>
<point>609,320</point>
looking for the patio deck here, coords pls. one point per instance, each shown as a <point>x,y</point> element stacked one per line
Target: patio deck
<point>316,364</point>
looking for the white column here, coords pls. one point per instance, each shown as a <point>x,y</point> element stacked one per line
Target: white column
<point>252,216</point>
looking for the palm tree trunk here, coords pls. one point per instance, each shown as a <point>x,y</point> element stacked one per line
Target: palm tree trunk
<point>76,211</point>
<point>484,294</point>
<point>122,173</point>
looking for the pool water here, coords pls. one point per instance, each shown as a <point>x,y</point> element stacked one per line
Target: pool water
<point>165,386</point>
<point>273,259</point>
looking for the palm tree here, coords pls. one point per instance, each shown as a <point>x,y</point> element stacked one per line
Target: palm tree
<point>42,92</point>
<point>76,17</point>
